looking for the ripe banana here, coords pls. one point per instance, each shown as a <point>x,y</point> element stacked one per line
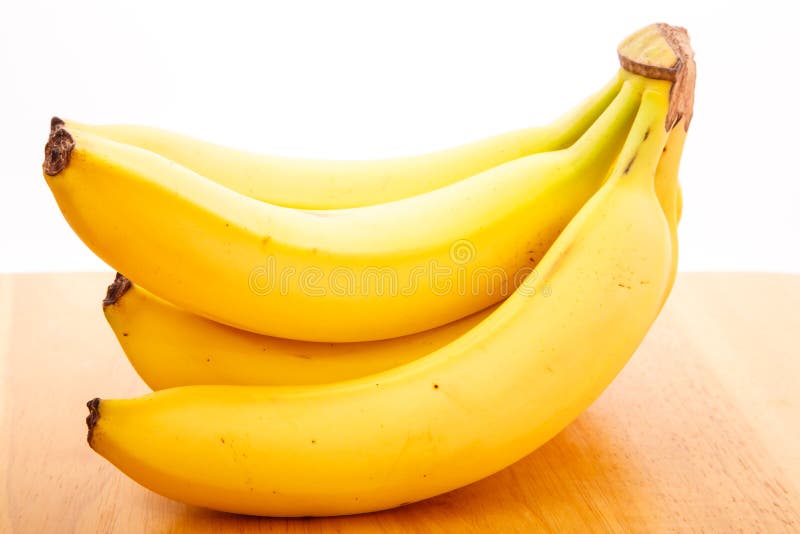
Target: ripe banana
<point>170,347</point>
<point>315,184</point>
<point>357,274</point>
<point>668,190</point>
<point>439,422</point>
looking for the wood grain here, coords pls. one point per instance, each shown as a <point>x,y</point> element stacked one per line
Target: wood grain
<point>701,431</point>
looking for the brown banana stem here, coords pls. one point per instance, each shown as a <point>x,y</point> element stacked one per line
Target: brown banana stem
<point>663,52</point>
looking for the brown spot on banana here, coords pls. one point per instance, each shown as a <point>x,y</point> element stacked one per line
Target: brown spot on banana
<point>629,165</point>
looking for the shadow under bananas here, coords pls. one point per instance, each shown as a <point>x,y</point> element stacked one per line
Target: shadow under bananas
<point>565,483</point>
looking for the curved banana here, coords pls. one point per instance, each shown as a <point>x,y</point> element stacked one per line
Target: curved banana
<point>442,421</point>
<point>318,184</point>
<point>170,347</point>
<point>662,51</point>
<point>358,274</point>
<point>669,192</point>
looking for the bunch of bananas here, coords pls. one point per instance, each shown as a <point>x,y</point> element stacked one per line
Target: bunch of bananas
<point>330,337</point>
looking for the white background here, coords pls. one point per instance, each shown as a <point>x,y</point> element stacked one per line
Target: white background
<point>366,80</point>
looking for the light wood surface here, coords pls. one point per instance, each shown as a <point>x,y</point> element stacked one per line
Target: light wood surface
<point>700,432</point>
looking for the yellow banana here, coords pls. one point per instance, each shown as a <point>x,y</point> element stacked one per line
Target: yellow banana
<point>316,184</point>
<point>170,347</point>
<point>357,274</point>
<point>668,190</point>
<point>663,52</point>
<point>444,420</point>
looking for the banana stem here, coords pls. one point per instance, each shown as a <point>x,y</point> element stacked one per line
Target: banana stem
<point>663,52</point>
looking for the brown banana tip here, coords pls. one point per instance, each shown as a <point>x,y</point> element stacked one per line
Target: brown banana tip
<point>664,52</point>
<point>116,290</point>
<point>58,149</point>
<point>92,418</point>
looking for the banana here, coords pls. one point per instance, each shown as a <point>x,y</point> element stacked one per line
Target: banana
<point>356,274</point>
<point>315,184</point>
<point>439,422</point>
<point>669,192</point>
<point>661,51</point>
<point>170,347</point>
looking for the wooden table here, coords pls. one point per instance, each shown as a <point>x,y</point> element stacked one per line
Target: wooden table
<point>701,431</point>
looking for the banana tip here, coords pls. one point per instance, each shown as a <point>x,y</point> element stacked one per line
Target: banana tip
<point>58,149</point>
<point>116,290</point>
<point>92,418</point>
